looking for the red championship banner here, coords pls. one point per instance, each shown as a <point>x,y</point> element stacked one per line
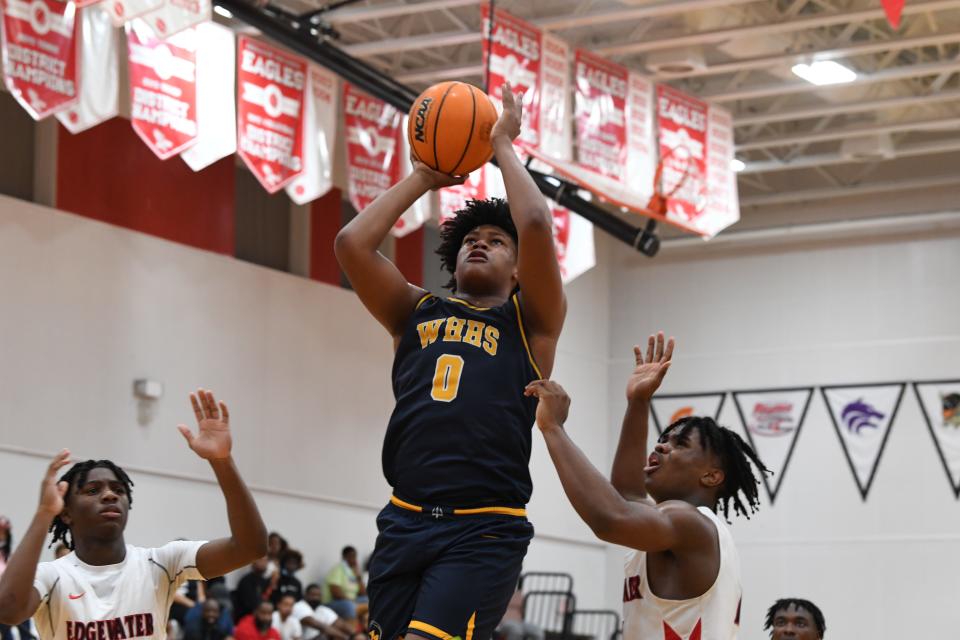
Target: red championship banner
<point>453,198</point>
<point>573,241</point>
<point>683,150</point>
<point>723,201</point>
<point>79,4</point>
<point>163,88</point>
<point>270,96</point>
<point>373,143</point>
<point>511,53</point>
<point>601,104</point>
<point>40,54</point>
<point>641,138</point>
<point>556,139</point>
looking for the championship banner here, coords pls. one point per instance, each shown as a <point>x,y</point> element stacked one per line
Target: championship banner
<point>163,88</point>
<point>122,11</point>
<point>216,105</point>
<point>682,121</point>
<point>668,408</point>
<point>99,73</point>
<point>601,106</point>
<point>723,201</point>
<point>573,240</point>
<point>270,94</point>
<point>40,41</point>
<point>174,16</point>
<point>373,145</point>
<point>511,53</point>
<point>771,420</point>
<point>555,131</point>
<point>641,137</point>
<point>319,132</point>
<point>940,402</point>
<point>414,217</point>
<point>863,416</point>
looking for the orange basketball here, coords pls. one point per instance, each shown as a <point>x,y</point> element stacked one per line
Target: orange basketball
<point>449,127</point>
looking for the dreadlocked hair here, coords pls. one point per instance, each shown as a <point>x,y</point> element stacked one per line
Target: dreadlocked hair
<point>798,603</point>
<point>76,477</point>
<point>475,213</point>
<point>735,458</point>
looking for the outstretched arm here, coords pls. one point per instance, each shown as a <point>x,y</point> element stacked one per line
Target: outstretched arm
<point>541,290</point>
<point>18,598</point>
<point>627,475</point>
<point>382,288</point>
<point>639,525</point>
<point>248,534</point>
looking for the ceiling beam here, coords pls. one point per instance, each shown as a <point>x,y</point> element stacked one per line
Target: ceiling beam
<point>647,11</point>
<point>824,159</point>
<point>853,132</point>
<point>363,14</point>
<point>792,197</point>
<point>785,26</point>
<point>446,73</point>
<point>886,75</point>
<point>425,41</point>
<point>863,48</point>
<point>843,108</point>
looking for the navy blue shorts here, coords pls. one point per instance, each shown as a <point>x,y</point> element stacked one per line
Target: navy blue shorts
<point>440,575</point>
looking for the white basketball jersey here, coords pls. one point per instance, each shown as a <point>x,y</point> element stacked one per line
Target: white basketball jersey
<point>713,616</point>
<point>113,602</point>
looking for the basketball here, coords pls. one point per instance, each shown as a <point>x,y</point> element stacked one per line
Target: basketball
<point>449,127</point>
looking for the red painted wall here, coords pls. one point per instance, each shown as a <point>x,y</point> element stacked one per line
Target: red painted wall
<point>409,256</point>
<point>325,216</point>
<point>107,173</point>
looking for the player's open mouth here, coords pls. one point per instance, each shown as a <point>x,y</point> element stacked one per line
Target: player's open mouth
<point>653,463</point>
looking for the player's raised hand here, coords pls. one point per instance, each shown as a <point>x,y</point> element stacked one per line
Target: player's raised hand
<point>51,491</point>
<point>212,440</point>
<point>554,403</point>
<point>435,179</point>
<point>650,370</point>
<point>508,124</point>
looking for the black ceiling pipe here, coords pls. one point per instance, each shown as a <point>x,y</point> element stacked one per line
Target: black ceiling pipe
<point>294,33</point>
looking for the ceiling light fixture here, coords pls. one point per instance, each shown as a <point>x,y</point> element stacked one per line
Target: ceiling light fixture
<point>220,11</point>
<point>738,165</point>
<point>823,72</point>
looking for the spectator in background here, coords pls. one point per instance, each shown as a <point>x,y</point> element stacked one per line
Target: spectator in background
<point>344,590</point>
<point>190,594</point>
<point>208,622</point>
<point>317,619</point>
<point>252,589</point>
<point>288,584</point>
<point>513,626</point>
<point>795,619</point>
<point>258,625</point>
<point>6,548</point>
<point>284,621</point>
<point>276,547</point>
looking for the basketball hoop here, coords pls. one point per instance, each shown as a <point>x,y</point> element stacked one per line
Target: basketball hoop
<point>663,192</point>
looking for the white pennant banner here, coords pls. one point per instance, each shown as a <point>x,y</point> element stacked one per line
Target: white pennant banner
<point>99,73</point>
<point>321,98</point>
<point>771,420</point>
<point>863,416</point>
<point>940,402</point>
<point>668,408</point>
<point>216,105</point>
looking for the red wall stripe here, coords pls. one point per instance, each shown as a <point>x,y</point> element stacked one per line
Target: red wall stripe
<point>107,173</point>
<point>325,216</point>
<point>409,256</point>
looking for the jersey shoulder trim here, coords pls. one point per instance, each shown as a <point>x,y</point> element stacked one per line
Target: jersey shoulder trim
<point>420,302</point>
<point>467,304</point>
<point>523,335</point>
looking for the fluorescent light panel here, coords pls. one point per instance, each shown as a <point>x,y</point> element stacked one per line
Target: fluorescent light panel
<point>823,72</point>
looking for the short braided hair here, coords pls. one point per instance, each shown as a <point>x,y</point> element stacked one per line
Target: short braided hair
<point>75,477</point>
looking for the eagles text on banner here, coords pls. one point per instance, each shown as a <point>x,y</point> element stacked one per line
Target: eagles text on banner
<point>373,141</point>
<point>863,416</point>
<point>771,421</point>
<point>40,54</point>
<point>270,94</point>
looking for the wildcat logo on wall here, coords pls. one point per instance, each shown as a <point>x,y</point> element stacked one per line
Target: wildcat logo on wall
<point>667,409</point>
<point>771,420</point>
<point>862,416</point>
<point>940,403</point>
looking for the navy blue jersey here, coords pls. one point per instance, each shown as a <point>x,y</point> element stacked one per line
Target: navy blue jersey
<point>460,433</point>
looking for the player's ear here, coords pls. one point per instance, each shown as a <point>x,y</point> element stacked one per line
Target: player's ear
<point>714,477</point>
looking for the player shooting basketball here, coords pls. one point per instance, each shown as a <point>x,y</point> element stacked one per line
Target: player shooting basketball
<point>457,446</point>
<point>107,589</point>
<point>683,577</point>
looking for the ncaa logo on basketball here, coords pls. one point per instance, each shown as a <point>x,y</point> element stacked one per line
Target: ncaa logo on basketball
<point>421,120</point>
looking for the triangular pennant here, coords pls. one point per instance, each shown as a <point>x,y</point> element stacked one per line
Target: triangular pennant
<point>772,419</point>
<point>99,73</point>
<point>216,105</point>
<point>893,9</point>
<point>940,402</point>
<point>319,130</point>
<point>668,408</point>
<point>863,416</point>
